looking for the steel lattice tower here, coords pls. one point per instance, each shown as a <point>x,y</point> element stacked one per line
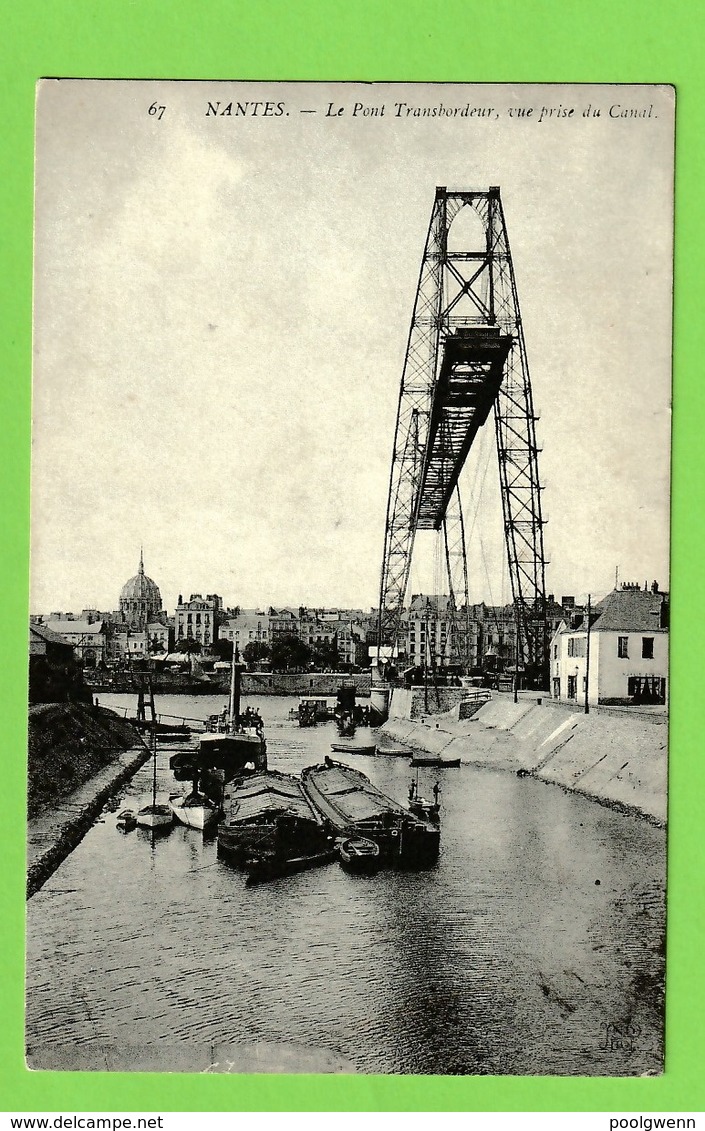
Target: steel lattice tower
<point>465,357</point>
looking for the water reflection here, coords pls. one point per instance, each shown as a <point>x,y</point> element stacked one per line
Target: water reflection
<point>148,952</point>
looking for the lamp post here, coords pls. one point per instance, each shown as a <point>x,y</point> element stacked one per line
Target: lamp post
<point>516,652</point>
<point>587,659</point>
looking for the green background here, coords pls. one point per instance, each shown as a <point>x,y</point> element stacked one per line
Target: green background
<point>500,41</point>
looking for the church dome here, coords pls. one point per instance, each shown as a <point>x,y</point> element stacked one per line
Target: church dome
<point>140,588</point>
<point>140,597</point>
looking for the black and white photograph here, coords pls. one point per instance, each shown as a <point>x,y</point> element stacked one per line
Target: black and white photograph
<point>349,627</point>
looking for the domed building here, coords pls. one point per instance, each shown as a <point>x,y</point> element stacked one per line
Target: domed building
<point>140,599</point>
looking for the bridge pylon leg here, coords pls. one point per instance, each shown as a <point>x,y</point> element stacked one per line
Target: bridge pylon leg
<point>466,359</point>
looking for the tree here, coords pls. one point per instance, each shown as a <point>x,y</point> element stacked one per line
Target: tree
<point>325,655</point>
<point>189,645</point>
<point>223,649</point>
<point>289,652</point>
<point>256,652</point>
<point>155,645</point>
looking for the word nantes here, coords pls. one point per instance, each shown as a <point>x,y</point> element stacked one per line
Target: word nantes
<point>246,109</point>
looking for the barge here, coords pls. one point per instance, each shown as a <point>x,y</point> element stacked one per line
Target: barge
<point>353,807</point>
<point>268,816</point>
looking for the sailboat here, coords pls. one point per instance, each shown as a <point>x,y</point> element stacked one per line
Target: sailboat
<point>153,812</point>
<point>196,810</point>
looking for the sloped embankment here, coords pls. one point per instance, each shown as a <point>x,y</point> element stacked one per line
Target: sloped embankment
<point>618,759</point>
<point>78,756</point>
<point>68,744</point>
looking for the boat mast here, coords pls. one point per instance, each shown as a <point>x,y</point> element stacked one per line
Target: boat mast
<point>154,766</point>
<point>234,705</point>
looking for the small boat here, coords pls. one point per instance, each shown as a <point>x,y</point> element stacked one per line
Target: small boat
<point>155,814</point>
<point>196,810</point>
<point>154,811</point>
<point>269,815</point>
<point>393,751</point>
<point>357,854</point>
<point>320,706</point>
<point>420,759</point>
<point>165,732</point>
<point>126,820</point>
<point>353,807</point>
<point>353,748</point>
<point>260,869</point>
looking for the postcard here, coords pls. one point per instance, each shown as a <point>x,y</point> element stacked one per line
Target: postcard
<point>348,721</point>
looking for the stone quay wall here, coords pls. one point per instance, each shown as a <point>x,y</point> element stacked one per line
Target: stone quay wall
<point>78,757</point>
<point>617,758</point>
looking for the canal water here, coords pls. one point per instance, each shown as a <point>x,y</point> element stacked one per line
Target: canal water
<point>536,945</point>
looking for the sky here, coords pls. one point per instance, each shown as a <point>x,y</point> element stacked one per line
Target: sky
<point>221,311</point>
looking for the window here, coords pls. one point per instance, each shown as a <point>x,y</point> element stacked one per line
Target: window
<point>647,647</point>
<point>646,689</point>
<point>576,646</point>
<point>555,651</point>
<point>623,647</point>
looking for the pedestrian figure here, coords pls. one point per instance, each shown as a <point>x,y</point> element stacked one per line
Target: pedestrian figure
<point>412,790</point>
<point>436,791</point>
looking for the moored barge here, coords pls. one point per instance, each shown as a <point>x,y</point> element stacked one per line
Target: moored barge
<point>353,807</point>
<point>267,815</point>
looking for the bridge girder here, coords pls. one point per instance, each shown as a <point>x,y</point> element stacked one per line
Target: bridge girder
<point>465,358</point>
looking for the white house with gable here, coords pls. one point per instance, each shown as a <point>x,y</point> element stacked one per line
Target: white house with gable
<point>628,651</point>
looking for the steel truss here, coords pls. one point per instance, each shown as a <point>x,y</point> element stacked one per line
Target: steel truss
<point>465,356</point>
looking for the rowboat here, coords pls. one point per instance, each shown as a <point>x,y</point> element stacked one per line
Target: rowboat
<point>264,868</point>
<point>434,760</point>
<point>126,820</point>
<point>353,748</point>
<point>357,854</point>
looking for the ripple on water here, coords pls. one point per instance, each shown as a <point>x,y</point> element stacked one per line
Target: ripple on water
<point>506,957</point>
